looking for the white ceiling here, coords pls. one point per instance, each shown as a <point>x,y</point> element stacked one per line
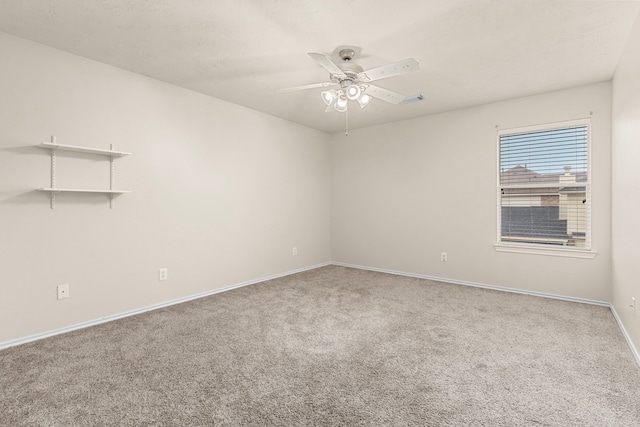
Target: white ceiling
<point>470,51</point>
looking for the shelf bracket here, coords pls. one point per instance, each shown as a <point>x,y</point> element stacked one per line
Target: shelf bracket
<point>111,178</point>
<point>53,173</point>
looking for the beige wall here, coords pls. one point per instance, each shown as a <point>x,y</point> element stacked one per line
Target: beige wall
<point>221,193</point>
<point>625,226</point>
<point>403,193</point>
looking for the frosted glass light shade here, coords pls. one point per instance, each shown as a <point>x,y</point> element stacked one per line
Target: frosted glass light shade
<point>353,92</point>
<point>341,104</point>
<point>364,100</point>
<point>328,96</point>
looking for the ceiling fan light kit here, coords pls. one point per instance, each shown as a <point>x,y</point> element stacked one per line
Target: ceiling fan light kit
<point>353,82</point>
<point>338,99</point>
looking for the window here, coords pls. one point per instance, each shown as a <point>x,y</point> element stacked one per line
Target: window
<point>544,186</point>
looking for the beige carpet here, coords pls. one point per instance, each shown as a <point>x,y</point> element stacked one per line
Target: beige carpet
<point>333,346</point>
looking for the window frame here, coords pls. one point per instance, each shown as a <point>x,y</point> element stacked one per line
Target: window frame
<point>539,248</point>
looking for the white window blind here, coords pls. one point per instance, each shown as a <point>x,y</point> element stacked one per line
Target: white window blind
<point>544,185</point>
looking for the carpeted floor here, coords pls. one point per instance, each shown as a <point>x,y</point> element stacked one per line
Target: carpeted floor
<point>333,346</point>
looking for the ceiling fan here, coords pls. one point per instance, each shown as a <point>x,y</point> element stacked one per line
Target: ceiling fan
<point>352,83</point>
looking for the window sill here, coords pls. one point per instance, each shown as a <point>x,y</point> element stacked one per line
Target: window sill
<point>537,250</point>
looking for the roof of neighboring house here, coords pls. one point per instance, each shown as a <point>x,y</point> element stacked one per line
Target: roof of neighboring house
<point>521,175</point>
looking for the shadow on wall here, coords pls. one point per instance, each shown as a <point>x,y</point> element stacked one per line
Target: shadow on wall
<point>31,197</point>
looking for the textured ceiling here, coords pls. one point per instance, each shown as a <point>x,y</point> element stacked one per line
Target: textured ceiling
<point>470,51</point>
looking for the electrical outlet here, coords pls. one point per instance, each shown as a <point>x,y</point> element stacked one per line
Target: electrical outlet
<point>63,291</point>
<point>163,274</point>
<point>295,251</point>
<point>443,256</point>
<point>633,305</point>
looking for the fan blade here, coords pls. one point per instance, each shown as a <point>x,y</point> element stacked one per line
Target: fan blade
<point>304,87</point>
<point>327,63</point>
<point>389,70</point>
<point>384,94</point>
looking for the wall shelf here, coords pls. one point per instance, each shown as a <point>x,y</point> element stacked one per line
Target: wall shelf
<point>82,190</point>
<point>111,153</point>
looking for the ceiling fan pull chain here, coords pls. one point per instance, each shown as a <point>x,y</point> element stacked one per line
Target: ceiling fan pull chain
<point>346,120</point>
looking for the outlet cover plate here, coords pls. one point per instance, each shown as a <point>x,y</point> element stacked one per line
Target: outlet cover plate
<point>63,291</point>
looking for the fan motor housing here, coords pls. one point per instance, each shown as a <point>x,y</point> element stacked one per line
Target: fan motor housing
<point>350,68</point>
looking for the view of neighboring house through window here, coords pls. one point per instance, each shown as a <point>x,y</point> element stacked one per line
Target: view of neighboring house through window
<point>544,185</point>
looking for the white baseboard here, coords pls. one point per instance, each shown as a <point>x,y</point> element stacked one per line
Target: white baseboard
<point>39,336</point>
<point>477,285</point>
<point>633,349</point>
<point>626,336</point>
